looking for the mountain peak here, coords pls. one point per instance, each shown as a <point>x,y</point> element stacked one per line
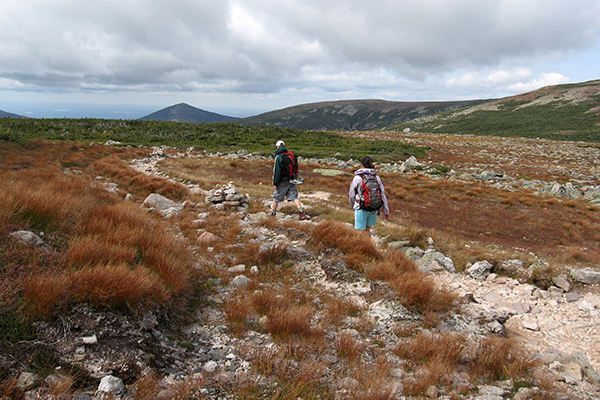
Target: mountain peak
<point>183,112</point>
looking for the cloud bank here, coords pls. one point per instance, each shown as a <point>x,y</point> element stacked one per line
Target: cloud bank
<point>291,47</point>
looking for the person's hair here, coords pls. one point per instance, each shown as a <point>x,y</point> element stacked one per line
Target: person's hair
<point>367,162</point>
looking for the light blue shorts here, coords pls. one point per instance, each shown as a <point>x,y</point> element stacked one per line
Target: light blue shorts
<point>364,218</point>
<point>285,190</point>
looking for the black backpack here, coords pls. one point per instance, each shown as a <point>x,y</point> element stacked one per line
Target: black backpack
<point>289,166</point>
<point>371,198</point>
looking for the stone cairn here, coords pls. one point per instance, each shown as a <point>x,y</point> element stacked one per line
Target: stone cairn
<point>227,197</point>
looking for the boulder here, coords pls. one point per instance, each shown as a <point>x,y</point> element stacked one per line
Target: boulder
<point>31,239</point>
<point>207,238</point>
<point>586,367</point>
<point>162,205</point>
<point>414,253</point>
<point>27,380</point>
<point>330,172</point>
<point>410,164</point>
<point>240,281</point>
<point>298,253</point>
<point>111,384</point>
<point>480,270</point>
<point>588,277</point>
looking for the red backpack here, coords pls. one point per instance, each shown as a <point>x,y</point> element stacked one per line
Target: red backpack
<point>289,166</point>
<point>371,198</point>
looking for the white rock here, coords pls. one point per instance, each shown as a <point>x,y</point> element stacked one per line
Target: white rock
<point>111,384</point>
<point>531,325</point>
<point>237,269</point>
<point>240,281</point>
<point>480,270</point>
<point>89,339</point>
<point>210,367</point>
<point>585,306</point>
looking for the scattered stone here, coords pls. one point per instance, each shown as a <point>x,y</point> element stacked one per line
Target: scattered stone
<point>149,322</point>
<point>207,238</point>
<point>584,305</point>
<point>330,172</point>
<point>410,164</point>
<point>432,392</point>
<point>164,206</point>
<point>574,370</point>
<point>236,269</point>
<point>53,380</point>
<point>562,282</point>
<point>26,380</point>
<point>414,253</point>
<point>349,384</point>
<point>240,281</point>
<point>399,244</point>
<point>573,297</point>
<point>30,238</point>
<point>89,339</point>
<point>298,253</point>
<point>111,384</point>
<point>589,371</point>
<point>586,276</point>
<point>82,396</point>
<point>530,325</point>
<point>210,367</point>
<point>480,270</point>
<point>492,391</point>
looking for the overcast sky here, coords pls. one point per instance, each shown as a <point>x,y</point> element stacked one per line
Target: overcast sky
<point>270,54</point>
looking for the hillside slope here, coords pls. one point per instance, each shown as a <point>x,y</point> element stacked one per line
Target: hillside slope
<point>562,112</point>
<point>183,112</point>
<point>4,114</point>
<point>351,115</point>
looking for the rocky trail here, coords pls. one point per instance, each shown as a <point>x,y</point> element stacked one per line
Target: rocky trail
<point>560,325</point>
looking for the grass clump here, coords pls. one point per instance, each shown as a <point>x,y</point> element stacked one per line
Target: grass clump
<point>415,289</point>
<point>498,358</point>
<point>98,248</point>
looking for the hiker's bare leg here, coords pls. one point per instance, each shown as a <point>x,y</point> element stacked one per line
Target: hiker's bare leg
<point>298,204</point>
<point>274,206</point>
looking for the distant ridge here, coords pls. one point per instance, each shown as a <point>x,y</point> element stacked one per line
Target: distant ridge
<point>183,112</point>
<point>565,112</point>
<point>352,115</point>
<point>4,114</point>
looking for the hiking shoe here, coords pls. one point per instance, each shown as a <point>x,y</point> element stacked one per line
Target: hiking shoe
<point>303,216</point>
<point>273,213</point>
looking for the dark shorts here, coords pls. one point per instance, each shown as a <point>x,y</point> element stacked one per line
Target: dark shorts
<point>285,190</point>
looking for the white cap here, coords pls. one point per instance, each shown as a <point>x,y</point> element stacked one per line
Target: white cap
<point>279,143</point>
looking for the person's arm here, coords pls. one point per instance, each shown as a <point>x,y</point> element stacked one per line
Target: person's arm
<point>353,190</point>
<point>386,207</point>
<point>277,171</point>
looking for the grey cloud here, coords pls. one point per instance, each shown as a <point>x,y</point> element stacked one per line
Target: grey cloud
<point>261,45</point>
